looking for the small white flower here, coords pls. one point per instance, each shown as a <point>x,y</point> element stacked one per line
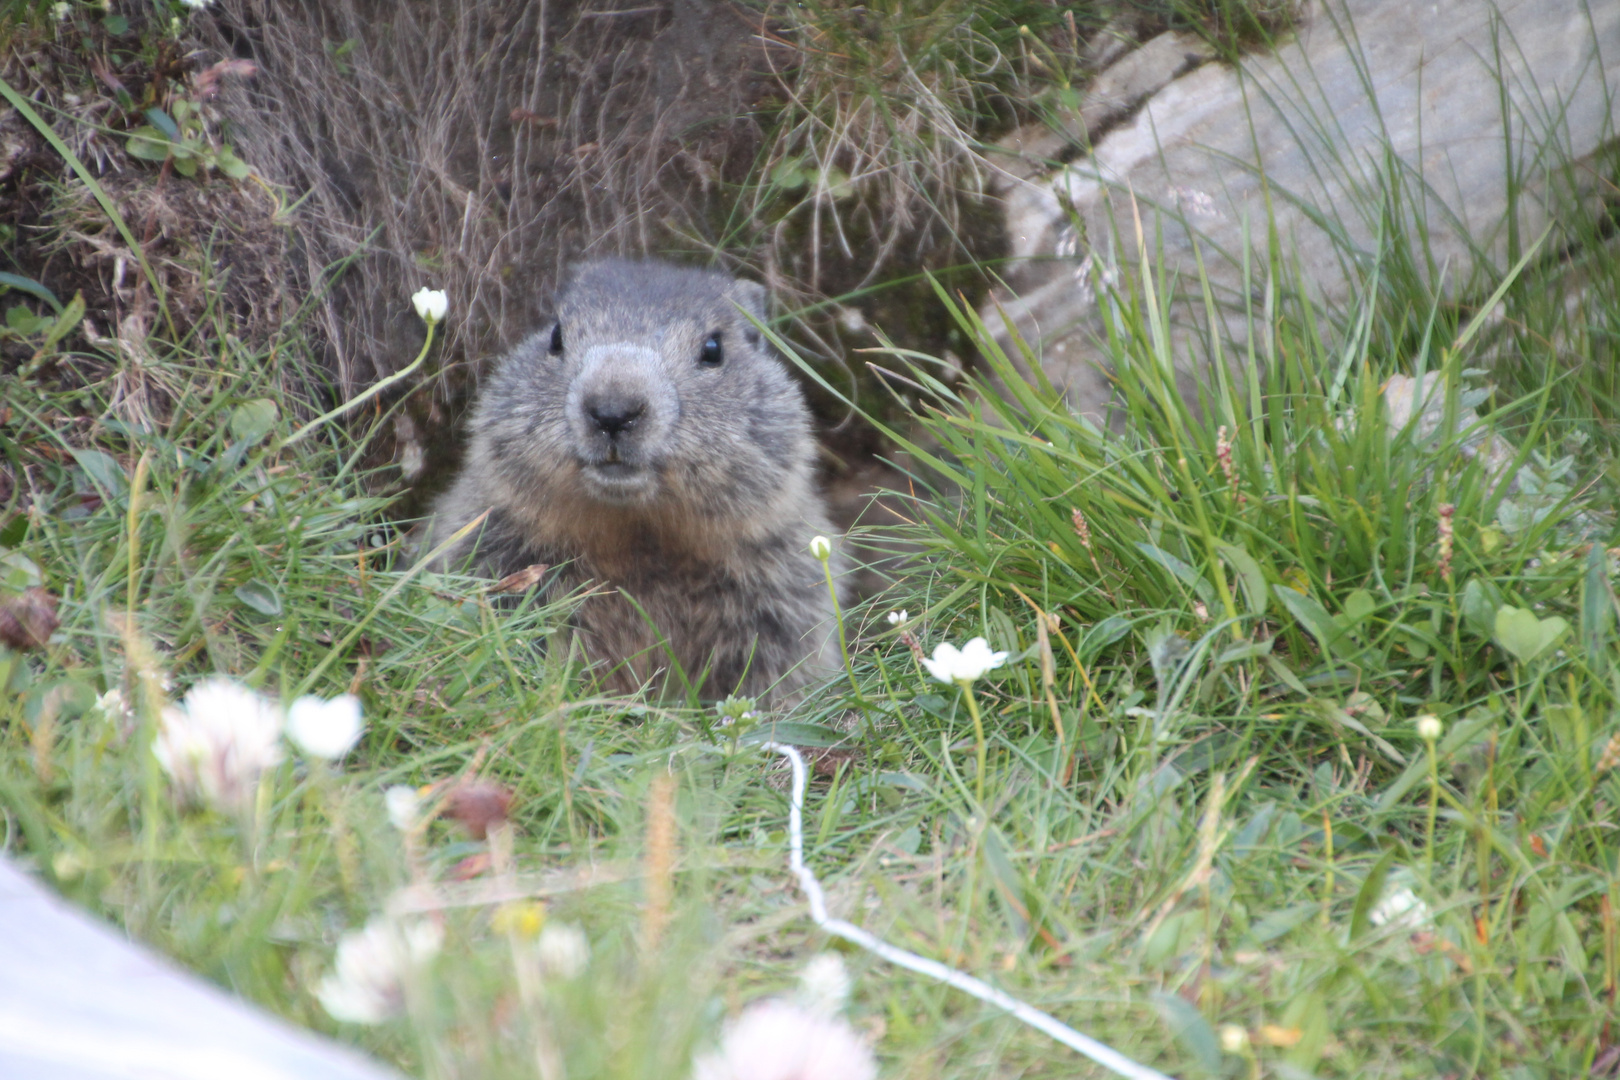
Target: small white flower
<point>1400,909</point>
<point>824,985</point>
<point>404,806</point>
<point>1429,727</point>
<point>564,950</point>
<point>61,11</point>
<point>325,729</point>
<point>367,982</point>
<point>778,1040</point>
<point>899,618</point>
<point>950,665</point>
<point>1234,1039</point>
<point>218,742</point>
<point>821,548</point>
<point>431,304</point>
<point>113,706</point>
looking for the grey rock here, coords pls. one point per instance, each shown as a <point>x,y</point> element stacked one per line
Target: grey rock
<point>1314,131</point>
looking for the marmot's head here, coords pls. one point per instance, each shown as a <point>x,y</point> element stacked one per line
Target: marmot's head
<point>653,389</point>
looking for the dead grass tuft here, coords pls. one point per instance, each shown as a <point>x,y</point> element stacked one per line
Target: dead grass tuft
<point>479,147</point>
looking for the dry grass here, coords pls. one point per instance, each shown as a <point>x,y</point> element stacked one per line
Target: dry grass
<point>479,148</point>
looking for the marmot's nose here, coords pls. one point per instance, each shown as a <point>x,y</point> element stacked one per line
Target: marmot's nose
<point>613,413</point>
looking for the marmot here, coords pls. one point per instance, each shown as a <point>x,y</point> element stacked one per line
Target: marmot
<point>648,440</point>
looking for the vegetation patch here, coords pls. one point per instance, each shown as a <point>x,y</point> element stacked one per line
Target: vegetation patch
<point>1289,748</point>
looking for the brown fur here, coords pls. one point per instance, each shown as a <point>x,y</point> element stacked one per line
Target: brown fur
<point>640,457</point>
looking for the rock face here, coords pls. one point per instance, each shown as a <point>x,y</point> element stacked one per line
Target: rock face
<point>78,1001</point>
<point>1372,97</point>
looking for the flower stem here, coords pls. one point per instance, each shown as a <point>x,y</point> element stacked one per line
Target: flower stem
<point>838,618</point>
<point>978,736</point>
<point>1434,808</point>
<point>361,399</point>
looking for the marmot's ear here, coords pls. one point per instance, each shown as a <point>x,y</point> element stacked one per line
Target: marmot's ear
<point>751,297</point>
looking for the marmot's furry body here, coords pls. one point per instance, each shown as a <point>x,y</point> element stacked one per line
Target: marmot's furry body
<point>648,441</point>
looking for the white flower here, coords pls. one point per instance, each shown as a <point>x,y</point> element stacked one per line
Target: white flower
<point>974,659</point>
<point>218,742</point>
<point>821,547</point>
<point>1400,908</point>
<point>1234,1039</point>
<point>564,950</point>
<point>367,982</point>
<point>824,985</point>
<point>325,729</point>
<point>778,1040</point>
<point>113,706</point>
<point>1429,727</point>
<point>61,11</point>
<point>431,304</point>
<point>404,804</point>
<point>899,618</point>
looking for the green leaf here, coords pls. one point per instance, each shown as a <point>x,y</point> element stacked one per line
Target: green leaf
<point>23,321</point>
<point>1101,635</point>
<point>1253,578</point>
<point>1286,675</point>
<point>260,597</point>
<point>794,733</point>
<point>19,572</point>
<point>1331,712</point>
<point>148,144</point>
<point>1315,619</point>
<point>32,287</point>
<point>231,165</point>
<point>64,324</point>
<point>1166,650</point>
<point>1247,650</point>
<point>184,164</point>
<point>1597,606</point>
<point>252,420</point>
<point>1182,571</point>
<point>13,531</point>
<point>104,471</point>
<point>1274,924</point>
<point>1368,895</point>
<point>161,121</point>
<point>1189,1028</point>
<point>837,183</point>
<point>116,25</point>
<point>1007,878</point>
<point>1524,635</point>
<point>1358,606</point>
<point>789,175</point>
<point>1479,607</point>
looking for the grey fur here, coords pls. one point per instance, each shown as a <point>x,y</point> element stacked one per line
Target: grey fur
<point>685,485</point>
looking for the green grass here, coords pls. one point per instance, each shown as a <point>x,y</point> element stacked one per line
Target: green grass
<point>1203,771</point>
<point>1235,663</point>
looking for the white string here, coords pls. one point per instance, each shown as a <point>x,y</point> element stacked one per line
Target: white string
<point>1101,1053</point>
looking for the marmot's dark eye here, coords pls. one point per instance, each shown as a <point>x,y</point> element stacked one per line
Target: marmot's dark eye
<point>556,340</point>
<point>711,354</point>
